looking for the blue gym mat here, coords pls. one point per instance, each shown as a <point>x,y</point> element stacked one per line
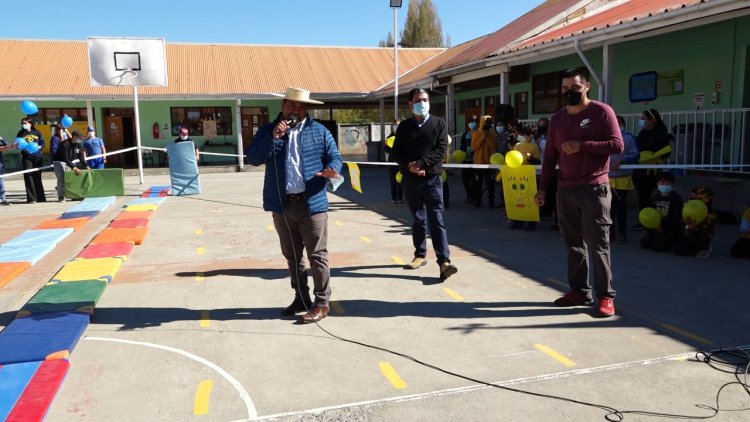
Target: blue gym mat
<point>13,382</point>
<point>31,253</point>
<point>152,200</point>
<point>93,204</point>
<point>78,214</point>
<point>38,237</point>
<point>36,337</point>
<point>183,169</point>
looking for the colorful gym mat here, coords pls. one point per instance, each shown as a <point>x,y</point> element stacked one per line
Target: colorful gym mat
<point>73,223</point>
<point>38,237</point>
<point>183,169</point>
<point>93,204</point>
<point>134,214</point>
<point>13,381</point>
<point>129,223</point>
<point>94,183</point>
<point>34,401</point>
<point>119,250</point>
<point>142,207</point>
<point>31,254</point>
<point>79,214</point>
<point>139,201</point>
<point>11,270</point>
<point>135,235</point>
<point>41,337</point>
<point>78,296</point>
<point>88,269</point>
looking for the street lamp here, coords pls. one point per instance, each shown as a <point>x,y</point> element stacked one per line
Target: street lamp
<point>395,5</point>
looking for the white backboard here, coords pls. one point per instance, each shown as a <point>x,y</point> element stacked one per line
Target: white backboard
<point>120,61</point>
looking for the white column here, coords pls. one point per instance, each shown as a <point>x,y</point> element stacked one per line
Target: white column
<point>138,133</point>
<point>90,113</point>
<point>450,115</point>
<point>607,72</point>
<point>504,88</point>
<point>240,147</point>
<point>381,103</point>
<point>395,63</point>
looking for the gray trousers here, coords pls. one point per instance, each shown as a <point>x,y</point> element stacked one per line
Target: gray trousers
<point>584,218</point>
<point>60,169</point>
<point>297,229</point>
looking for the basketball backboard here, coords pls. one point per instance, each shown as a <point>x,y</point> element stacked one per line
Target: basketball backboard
<point>120,61</point>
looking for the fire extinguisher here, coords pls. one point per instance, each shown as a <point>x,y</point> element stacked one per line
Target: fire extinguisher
<point>155,130</point>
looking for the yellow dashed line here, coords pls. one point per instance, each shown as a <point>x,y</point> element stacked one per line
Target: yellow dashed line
<point>687,334</point>
<point>365,239</point>
<point>339,223</point>
<point>205,319</point>
<point>270,227</point>
<point>392,375</point>
<point>453,294</point>
<point>200,407</point>
<point>491,255</point>
<point>199,276</point>
<point>337,308</point>
<point>398,260</point>
<point>200,251</point>
<point>559,283</point>
<point>554,355</point>
<point>216,211</point>
<point>198,232</point>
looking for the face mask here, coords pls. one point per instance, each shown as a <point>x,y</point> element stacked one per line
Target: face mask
<point>393,128</point>
<point>521,138</point>
<point>65,136</point>
<point>573,98</point>
<point>472,126</point>
<point>92,134</point>
<point>541,129</point>
<point>183,137</point>
<point>641,123</point>
<point>500,129</point>
<point>421,108</point>
<point>26,126</point>
<point>664,188</point>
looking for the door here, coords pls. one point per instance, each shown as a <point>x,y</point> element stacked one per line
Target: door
<point>113,140</point>
<point>522,105</point>
<point>252,119</point>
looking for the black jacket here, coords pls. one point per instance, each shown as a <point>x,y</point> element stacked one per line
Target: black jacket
<point>68,152</point>
<point>426,145</point>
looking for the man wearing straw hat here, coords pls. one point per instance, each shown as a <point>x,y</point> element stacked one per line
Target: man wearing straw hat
<point>300,156</point>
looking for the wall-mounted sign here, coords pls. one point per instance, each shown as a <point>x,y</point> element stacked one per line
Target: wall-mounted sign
<point>642,87</point>
<point>671,82</point>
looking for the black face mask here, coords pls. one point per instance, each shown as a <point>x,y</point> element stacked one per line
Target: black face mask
<point>573,98</point>
<point>541,129</point>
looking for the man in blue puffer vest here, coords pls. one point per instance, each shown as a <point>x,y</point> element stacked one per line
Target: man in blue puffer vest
<point>300,156</point>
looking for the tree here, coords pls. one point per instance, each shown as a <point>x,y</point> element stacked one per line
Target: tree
<point>423,27</point>
<point>387,42</point>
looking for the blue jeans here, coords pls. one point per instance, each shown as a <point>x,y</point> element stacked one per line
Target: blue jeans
<point>424,196</point>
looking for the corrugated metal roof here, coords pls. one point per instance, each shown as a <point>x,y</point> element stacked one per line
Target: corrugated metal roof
<point>37,69</point>
<point>628,11</point>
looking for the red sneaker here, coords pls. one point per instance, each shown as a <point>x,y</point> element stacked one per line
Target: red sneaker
<point>574,298</point>
<point>606,306</point>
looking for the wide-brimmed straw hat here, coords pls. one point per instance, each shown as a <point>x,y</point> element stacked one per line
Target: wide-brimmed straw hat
<point>300,95</point>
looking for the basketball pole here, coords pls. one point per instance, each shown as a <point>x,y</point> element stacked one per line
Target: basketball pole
<point>138,133</point>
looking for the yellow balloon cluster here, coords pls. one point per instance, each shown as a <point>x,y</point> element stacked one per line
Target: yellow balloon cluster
<point>514,159</point>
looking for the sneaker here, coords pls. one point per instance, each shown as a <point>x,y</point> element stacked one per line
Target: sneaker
<point>704,253</point>
<point>5,203</point>
<point>61,200</point>
<point>446,270</point>
<point>415,263</point>
<point>574,298</point>
<point>606,306</point>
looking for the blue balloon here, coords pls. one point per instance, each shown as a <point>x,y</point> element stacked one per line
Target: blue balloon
<point>21,143</point>
<point>32,147</point>
<point>66,121</point>
<point>28,107</point>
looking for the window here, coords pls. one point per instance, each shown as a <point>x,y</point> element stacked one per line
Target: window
<point>546,88</point>
<point>192,118</point>
<point>52,116</point>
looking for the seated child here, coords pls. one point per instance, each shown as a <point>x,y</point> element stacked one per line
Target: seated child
<point>741,248</point>
<point>669,204</point>
<point>696,237</point>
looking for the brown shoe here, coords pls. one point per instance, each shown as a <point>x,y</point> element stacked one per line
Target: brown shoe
<point>297,306</point>
<point>415,263</point>
<point>315,314</point>
<point>447,269</point>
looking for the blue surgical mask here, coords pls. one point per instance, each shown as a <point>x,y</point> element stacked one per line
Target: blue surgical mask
<point>472,126</point>
<point>500,129</point>
<point>421,108</point>
<point>664,188</point>
<point>641,123</point>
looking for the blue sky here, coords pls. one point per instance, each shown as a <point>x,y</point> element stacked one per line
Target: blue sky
<point>360,23</point>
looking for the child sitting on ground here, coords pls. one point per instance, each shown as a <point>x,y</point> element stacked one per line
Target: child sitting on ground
<point>669,204</point>
<point>696,236</point>
<point>741,248</point>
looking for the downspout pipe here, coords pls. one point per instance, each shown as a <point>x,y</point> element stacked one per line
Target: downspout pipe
<point>593,73</point>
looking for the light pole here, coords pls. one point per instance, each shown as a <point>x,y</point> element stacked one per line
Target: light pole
<point>395,5</point>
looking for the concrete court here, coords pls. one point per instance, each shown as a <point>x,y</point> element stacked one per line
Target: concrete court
<point>189,329</point>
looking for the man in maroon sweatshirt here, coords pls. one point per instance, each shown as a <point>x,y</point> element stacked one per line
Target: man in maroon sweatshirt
<point>580,139</point>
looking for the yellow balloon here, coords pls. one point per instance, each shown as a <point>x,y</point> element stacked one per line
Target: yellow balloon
<point>695,210</point>
<point>459,156</point>
<point>444,176</point>
<point>650,218</point>
<point>497,159</point>
<point>513,159</point>
<point>399,176</point>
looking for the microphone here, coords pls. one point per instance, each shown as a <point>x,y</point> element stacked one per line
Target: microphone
<point>292,122</point>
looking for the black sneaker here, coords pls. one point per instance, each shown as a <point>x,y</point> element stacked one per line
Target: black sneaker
<point>5,203</point>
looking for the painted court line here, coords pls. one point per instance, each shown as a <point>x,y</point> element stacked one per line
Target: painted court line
<point>477,387</point>
<point>554,355</point>
<point>200,251</point>
<point>453,294</point>
<point>198,232</point>
<point>252,413</point>
<point>339,223</point>
<point>200,407</point>
<point>365,239</point>
<point>687,334</point>
<point>199,276</point>
<point>269,227</point>
<point>336,306</point>
<point>392,375</point>
<point>205,319</point>
<point>398,260</point>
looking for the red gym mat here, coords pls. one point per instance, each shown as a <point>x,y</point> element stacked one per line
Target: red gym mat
<point>125,215</point>
<point>107,250</point>
<point>129,223</point>
<point>39,393</point>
